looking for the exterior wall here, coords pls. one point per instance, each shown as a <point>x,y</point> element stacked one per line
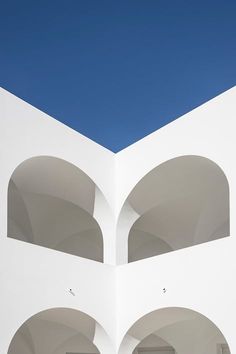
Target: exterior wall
<point>207,131</point>
<point>35,279</point>
<point>40,135</point>
<point>198,278</point>
<point>116,294</point>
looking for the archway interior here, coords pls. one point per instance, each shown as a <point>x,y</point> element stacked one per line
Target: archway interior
<point>55,331</point>
<point>181,203</point>
<point>51,204</point>
<point>177,331</point>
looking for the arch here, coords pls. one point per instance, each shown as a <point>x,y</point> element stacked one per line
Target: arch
<point>56,331</point>
<point>51,204</point>
<point>180,203</point>
<point>181,330</point>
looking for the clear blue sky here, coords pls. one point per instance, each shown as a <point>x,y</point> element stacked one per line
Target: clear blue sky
<point>117,70</point>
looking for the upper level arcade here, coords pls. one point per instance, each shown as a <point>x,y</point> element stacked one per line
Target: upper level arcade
<point>51,204</point>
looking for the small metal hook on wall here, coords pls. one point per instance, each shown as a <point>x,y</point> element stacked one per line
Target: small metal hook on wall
<point>71,292</point>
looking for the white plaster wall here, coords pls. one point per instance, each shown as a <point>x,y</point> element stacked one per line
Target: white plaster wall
<point>26,132</point>
<point>207,131</point>
<point>200,278</point>
<point>34,278</point>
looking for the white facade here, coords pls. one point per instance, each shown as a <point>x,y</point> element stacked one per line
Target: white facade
<point>121,253</point>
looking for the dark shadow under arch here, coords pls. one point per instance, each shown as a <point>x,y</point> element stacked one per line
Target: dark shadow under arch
<point>182,202</point>
<point>55,330</point>
<point>184,330</point>
<point>51,204</point>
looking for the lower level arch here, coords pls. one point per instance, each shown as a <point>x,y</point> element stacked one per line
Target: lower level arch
<point>174,330</point>
<point>56,331</point>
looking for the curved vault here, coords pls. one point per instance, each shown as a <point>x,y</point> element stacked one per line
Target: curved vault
<point>174,330</point>
<point>51,204</point>
<point>55,331</point>
<point>181,203</point>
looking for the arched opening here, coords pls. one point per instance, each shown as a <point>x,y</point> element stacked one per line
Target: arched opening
<point>51,204</point>
<point>174,330</point>
<point>55,331</point>
<point>181,203</point>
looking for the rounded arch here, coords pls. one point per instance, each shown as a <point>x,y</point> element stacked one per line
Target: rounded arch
<point>51,204</point>
<point>179,329</point>
<point>182,202</point>
<point>56,331</point>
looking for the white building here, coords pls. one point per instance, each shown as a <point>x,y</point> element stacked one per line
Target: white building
<point>121,253</point>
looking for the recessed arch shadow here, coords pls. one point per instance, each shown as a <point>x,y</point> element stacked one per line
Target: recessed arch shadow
<point>56,331</point>
<point>51,204</point>
<point>179,329</point>
<point>182,202</point>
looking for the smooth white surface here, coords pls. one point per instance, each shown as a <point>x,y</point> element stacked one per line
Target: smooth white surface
<point>115,294</point>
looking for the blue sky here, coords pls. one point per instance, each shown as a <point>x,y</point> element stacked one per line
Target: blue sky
<point>117,70</point>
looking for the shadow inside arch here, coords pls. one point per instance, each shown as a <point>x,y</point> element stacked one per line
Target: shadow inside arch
<point>56,331</point>
<point>180,330</point>
<point>183,202</point>
<point>51,203</point>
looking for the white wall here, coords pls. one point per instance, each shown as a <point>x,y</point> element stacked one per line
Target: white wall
<point>34,279</point>
<point>207,131</point>
<point>26,132</point>
<point>200,278</point>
